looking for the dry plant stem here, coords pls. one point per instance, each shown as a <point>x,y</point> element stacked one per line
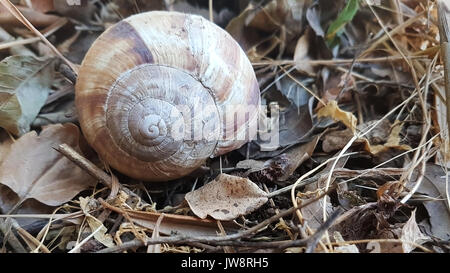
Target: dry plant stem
<point>389,34</point>
<point>14,11</point>
<point>79,245</point>
<point>211,240</point>
<point>343,173</point>
<point>32,242</point>
<point>315,238</point>
<point>210,4</point>
<point>425,129</point>
<point>335,62</point>
<point>51,29</point>
<point>394,31</point>
<point>444,33</point>
<point>277,210</point>
<point>303,86</point>
<point>16,49</point>
<point>10,237</point>
<point>274,244</point>
<point>68,73</point>
<point>421,174</point>
<point>91,169</point>
<point>387,161</point>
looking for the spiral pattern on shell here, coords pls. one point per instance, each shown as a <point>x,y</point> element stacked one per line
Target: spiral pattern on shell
<point>141,77</point>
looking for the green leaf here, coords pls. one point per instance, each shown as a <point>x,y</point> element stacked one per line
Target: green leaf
<point>24,87</point>
<point>343,18</point>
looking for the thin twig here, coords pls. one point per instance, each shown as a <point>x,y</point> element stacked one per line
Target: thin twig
<point>231,240</point>
<point>92,169</point>
<point>14,11</point>
<point>315,238</point>
<point>444,33</point>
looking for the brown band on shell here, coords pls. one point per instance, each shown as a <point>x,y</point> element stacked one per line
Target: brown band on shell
<point>123,31</point>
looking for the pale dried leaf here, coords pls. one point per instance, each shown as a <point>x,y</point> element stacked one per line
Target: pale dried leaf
<point>102,236</point>
<point>33,169</point>
<point>226,198</point>
<point>25,84</point>
<point>301,57</point>
<point>343,248</point>
<point>156,248</point>
<point>411,233</point>
<point>333,111</point>
<point>346,249</point>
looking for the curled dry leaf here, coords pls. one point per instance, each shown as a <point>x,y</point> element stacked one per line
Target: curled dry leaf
<point>411,233</point>
<point>333,111</point>
<point>280,167</point>
<point>179,224</point>
<point>226,198</point>
<point>393,140</point>
<point>410,236</point>
<point>171,223</point>
<point>349,248</point>
<point>25,84</point>
<point>381,139</point>
<point>96,225</point>
<point>297,155</point>
<point>301,57</point>
<point>33,169</point>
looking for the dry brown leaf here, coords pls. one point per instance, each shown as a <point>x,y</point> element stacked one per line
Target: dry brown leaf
<point>409,233</point>
<point>297,155</point>
<point>226,198</point>
<point>333,111</point>
<point>383,133</point>
<point>5,144</point>
<point>393,140</point>
<point>9,200</point>
<point>177,224</point>
<point>33,169</point>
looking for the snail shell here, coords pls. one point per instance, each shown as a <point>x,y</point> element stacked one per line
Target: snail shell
<point>153,80</point>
